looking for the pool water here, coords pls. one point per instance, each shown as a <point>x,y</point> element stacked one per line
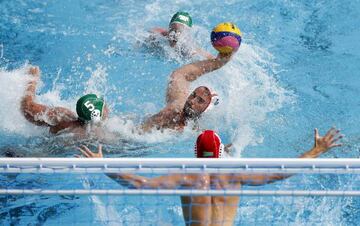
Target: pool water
<point>296,69</point>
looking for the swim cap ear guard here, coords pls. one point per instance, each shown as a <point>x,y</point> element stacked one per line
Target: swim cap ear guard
<point>95,116</point>
<point>90,108</point>
<point>215,100</point>
<point>209,145</point>
<point>181,18</point>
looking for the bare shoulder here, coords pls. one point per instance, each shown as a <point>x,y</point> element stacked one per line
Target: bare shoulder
<point>59,119</point>
<point>59,115</point>
<point>65,111</point>
<point>159,30</point>
<point>177,92</point>
<point>160,119</point>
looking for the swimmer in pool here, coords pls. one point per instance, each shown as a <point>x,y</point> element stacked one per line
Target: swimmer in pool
<point>181,105</point>
<point>91,110</point>
<point>213,210</point>
<point>179,26</point>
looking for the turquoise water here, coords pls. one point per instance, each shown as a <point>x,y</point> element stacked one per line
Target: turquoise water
<point>297,69</point>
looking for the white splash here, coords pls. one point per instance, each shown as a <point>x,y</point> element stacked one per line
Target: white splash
<point>105,213</point>
<point>97,81</point>
<point>246,84</point>
<point>128,129</point>
<point>248,93</point>
<point>12,86</point>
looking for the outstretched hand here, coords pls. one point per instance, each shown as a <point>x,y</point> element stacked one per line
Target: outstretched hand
<point>86,152</point>
<point>224,57</point>
<point>328,141</point>
<point>34,71</point>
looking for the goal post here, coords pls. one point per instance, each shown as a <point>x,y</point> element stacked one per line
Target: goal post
<point>314,185</point>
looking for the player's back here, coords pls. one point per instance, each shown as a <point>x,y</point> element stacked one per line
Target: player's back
<point>223,208</point>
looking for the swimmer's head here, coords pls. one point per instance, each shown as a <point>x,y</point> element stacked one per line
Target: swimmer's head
<point>182,18</point>
<point>180,22</point>
<point>199,101</point>
<point>91,108</point>
<point>174,37</point>
<point>208,145</point>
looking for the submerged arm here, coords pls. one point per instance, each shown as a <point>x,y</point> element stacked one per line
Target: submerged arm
<point>322,145</point>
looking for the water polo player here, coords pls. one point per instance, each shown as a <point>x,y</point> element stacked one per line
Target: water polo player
<point>179,30</point>
<point>212,210</point>
<point>181,106</point>
<point>91,110</point>
<point>180,109</point>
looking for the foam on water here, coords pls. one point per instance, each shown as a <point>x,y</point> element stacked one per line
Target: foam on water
<point>13,122</point>
<point>105,214</point>
<point>248,94</point>
<point>293,31</point>
<point>246,85</point>
<point>12,86</point>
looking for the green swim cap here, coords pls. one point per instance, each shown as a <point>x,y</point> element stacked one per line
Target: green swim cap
<point>90,108</point>
<point>181,18</point>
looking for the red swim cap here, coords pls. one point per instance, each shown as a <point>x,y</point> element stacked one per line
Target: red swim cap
<point>208,145</point>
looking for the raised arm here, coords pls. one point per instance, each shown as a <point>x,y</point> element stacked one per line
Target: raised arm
<point>181,78</point>
<point>135,181</point>
<point>321,145</point>
<point>165,182</point>
<point>39,114</point>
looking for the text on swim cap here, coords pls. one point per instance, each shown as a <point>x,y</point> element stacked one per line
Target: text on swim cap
<point>182,17</point>
<point>95,113</point>
<point>89,106</point>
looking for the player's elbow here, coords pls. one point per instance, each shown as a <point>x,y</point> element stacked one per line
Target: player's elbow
<point>176,76</point>
<point>29,108</point>
<point>27,105</point>
<point>181,75</point>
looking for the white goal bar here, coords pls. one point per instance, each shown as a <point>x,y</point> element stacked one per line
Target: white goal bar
<point>181,192</point>
<point>179,165</point>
